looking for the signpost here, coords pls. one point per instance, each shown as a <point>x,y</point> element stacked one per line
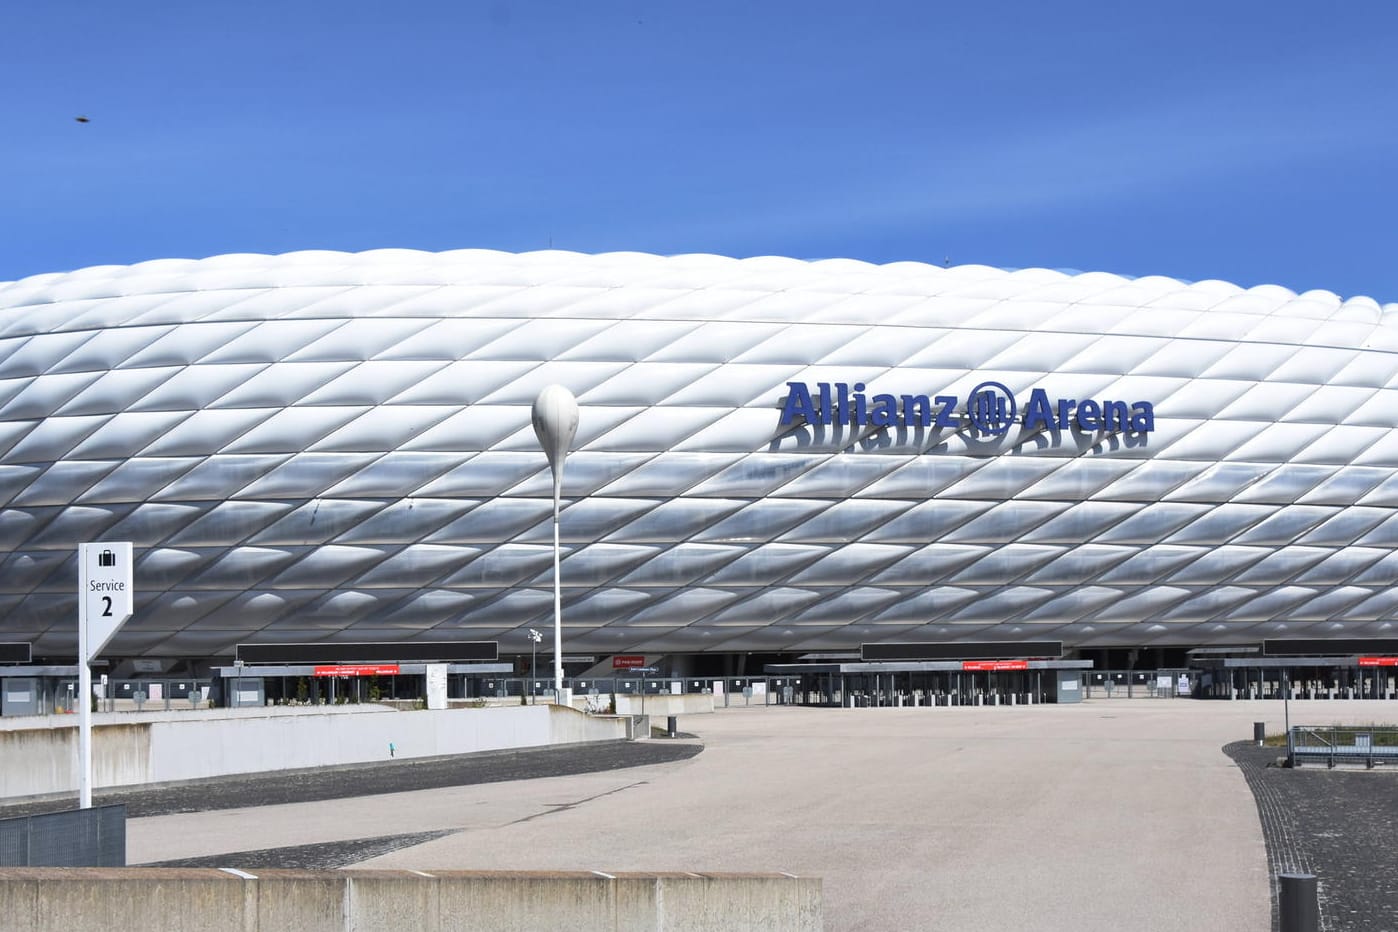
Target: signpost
<point>105,596</point>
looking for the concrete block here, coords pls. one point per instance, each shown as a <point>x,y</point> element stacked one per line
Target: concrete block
<point>129,898</point>
<point>68,899</point>
<point>709,901</point>
<point>523,901</point>
<point>393,900</point>
<point>307,901</point>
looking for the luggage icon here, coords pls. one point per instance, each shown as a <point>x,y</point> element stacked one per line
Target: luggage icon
<point>106,558</point>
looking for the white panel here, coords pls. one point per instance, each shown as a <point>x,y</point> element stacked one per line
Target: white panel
<point>383,427</point>
<point>540,340</point>
<point>282,383</point>
<point>448,340</point>
<point>631,341</point>
<point>577,377</point>
<point>292,430</point>
<point>270,341</point>
<point>464,382</point>
<point>373,382</point>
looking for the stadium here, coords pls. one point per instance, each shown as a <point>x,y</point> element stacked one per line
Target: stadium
<point>776,459</point>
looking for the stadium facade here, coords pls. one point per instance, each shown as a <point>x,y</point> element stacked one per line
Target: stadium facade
<point>774,456</point>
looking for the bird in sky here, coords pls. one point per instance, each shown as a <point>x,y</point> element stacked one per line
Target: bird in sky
<point>82,119</point>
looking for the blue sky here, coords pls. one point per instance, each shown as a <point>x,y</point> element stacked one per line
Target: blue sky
<point>1246,140</point>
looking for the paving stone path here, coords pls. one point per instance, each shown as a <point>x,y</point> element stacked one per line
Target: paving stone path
<point>1341,825</point>
<point>326,856</point>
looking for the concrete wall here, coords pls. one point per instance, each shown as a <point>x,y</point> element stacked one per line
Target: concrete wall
<point>194,746</point>
<point>61,900</point>
<point>658,707</point>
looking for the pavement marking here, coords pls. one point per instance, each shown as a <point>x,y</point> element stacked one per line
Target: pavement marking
<point>237,873</point>
<point>421,874</point>
<point>608,876</point>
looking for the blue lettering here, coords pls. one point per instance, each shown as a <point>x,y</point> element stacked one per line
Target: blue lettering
<point>826,406</point>
<point>1115,415</point>
<point>917,410</point>
<point>1065,412</point>
<point>798,405</point>
<point>846,403</point>
<point>1088,413</point>
<point>885,411</point>
<point>1038,413</point>
<point>945,417</point>
<point>1142,417</point>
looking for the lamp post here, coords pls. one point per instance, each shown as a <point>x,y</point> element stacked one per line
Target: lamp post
<point>555,418</point>
<point>534,638</point>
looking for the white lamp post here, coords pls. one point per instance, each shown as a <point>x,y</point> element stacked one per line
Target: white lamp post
<point>555,424</point>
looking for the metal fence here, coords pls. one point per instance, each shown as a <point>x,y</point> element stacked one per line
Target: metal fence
<point>1337,744</point>
<point>77,838</point>
<point>1135,684</point>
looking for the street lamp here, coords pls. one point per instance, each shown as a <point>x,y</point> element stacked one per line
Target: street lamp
<point>555,424</point>
<point>534,638</point>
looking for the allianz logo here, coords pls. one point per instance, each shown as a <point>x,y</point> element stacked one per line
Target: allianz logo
<point>990,409</point>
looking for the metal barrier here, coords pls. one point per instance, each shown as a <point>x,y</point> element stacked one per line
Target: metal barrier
<point>726,690</point>
<point>78,838</point>
<point>1135,684</point>
<point>1368,746</point>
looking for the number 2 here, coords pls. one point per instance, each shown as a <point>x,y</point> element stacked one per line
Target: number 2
<point>106,606</point>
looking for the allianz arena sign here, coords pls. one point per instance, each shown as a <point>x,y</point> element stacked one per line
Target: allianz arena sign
<point>990,410</point>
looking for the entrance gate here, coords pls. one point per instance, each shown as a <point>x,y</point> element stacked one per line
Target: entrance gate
<point>930,683</point>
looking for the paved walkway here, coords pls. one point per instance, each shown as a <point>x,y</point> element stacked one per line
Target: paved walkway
<point>1337,824</point>
<point>1114,814</point>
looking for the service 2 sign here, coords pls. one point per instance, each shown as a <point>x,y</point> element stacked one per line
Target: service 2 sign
<point>104,593</point>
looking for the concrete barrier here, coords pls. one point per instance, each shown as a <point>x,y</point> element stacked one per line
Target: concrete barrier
<point>61,900</point>
<point>665,705</point>
<point>192,746</point>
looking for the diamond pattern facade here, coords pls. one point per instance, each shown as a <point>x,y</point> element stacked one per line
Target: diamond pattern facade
<point>333,446</point>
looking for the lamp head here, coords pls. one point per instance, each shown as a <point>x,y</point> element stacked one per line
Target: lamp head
<point>555,418</point>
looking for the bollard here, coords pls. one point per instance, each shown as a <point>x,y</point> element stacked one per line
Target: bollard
<point>672,729</point>
<point>1259,732</point>
<point>1299,905</point>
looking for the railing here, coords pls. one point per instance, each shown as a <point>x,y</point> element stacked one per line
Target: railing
<point>1342,744</point>
<point>1135,684</point>
<point>77,838</point>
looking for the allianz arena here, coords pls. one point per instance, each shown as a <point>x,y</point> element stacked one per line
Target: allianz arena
<point>774,456</point>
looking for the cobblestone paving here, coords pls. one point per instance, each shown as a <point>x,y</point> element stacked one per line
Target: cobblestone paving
<point>298,786</point>
<point>328,856</point>
<point>1341,825</point>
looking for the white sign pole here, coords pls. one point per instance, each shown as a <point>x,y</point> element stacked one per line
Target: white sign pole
<point>84,704</point>
<point>105,599</point>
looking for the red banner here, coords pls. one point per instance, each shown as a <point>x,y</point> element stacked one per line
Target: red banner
<point>995,665</point>
<point>358,669</point>
<point>1378,661</point>
<point>628,661</point>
